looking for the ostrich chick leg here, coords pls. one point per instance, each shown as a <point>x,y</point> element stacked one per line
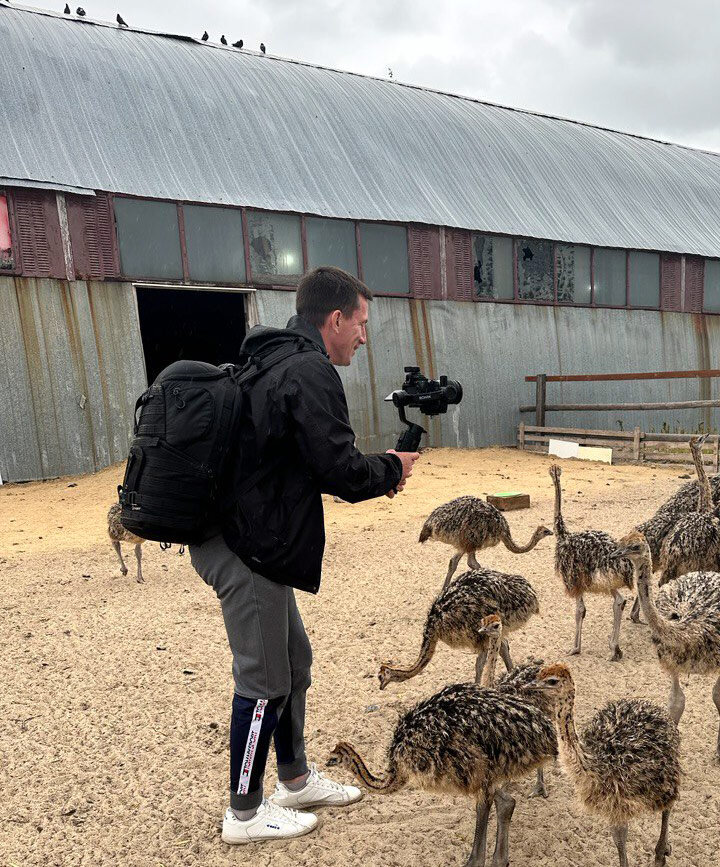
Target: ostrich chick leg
<point>480,665</point>
<point>635,611</point>
<point>123,567</point>
<point>619,835</point>
<point>454,560</point>
<point>716,699</point>
<point>477,853</point>
<point>618,608</point>
<point>539,789</point>
<point>676,702</point>
<point>472,561</point>
<point>579,617</point>
<point>505,653</point>
<point>663,848</point>
<point>138,555</point>
<point>504,808</point>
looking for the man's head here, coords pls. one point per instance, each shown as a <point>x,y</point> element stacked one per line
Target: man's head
<point>337,305</point>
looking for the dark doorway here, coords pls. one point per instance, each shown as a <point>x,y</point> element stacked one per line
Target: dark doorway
<point>203,325</point>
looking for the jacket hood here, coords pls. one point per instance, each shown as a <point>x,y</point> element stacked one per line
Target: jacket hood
<point>261,338</point>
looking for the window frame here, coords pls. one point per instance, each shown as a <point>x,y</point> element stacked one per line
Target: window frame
<point>703,311</point>
<point>14,237</point>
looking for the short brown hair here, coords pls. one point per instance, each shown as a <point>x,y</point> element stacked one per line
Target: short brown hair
<point>326,289</point>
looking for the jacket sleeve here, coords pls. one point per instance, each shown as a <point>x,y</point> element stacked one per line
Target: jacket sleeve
<point>321,428</point>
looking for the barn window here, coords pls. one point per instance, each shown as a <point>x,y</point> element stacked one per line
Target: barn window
<point>149,239</point>
<point>535,270</point>
<point>214,244</point>
<point>384,251</point>
<point>711,300</point>
<point>644,279</point>
<point>7,262</point>
<point>610,277</point>
<point>275,247</point>
<point>572,266</point>
<point>331,242</point>
<point>492,267</point>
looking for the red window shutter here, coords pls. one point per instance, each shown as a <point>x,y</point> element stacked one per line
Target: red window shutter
<point>424,247</point>
<point>92,236</point>
<point>39,239</point>
<point>694,279</point>
<point>458,257</point>
<point>670,280</point>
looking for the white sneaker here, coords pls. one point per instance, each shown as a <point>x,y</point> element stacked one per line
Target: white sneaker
<point>271,822</point>
<point>317,792</point>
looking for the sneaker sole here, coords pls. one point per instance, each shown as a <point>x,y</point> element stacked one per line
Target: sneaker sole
<point>311,804</point>
<point>237,841</point>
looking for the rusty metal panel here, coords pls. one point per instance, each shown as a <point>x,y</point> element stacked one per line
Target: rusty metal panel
<point>39,238</point>
<point>424,254</point>
<point>434,158</point>
<point>73,369</point>
<point>459,265</point>
<point>671,282</point>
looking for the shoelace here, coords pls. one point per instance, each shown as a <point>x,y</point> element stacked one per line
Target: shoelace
<point>315,774</point>
<point>277,811</point>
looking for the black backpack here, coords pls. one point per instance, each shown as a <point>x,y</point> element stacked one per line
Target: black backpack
<point>187,428</point>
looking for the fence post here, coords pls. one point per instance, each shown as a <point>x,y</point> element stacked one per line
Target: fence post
<point>636,445</point>
<point>540,394</point>
<point>716,455</point>
<point>521,436</point>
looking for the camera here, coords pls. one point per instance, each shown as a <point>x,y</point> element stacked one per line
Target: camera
<point>430,396</point>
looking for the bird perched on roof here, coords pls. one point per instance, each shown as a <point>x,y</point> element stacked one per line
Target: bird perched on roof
<point>238,44</point>
<point>66,10</point>
<point>205,36</point>
<point>223,40</point>
<point>80,11</point>
<point>262,47</point>
<point>120,20</point>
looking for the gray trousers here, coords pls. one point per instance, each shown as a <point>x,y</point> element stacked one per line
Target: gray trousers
<point>271,669</point>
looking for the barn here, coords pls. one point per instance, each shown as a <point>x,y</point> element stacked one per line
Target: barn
<point>159,195</point>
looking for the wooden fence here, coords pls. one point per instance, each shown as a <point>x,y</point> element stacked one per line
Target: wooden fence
<point>636,445</point>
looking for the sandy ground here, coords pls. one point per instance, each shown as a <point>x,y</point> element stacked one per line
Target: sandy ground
<point>112,755</point>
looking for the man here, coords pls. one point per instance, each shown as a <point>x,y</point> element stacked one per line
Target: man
<point>296,443</point>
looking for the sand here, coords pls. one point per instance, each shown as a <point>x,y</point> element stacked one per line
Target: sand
<point>113,754</point>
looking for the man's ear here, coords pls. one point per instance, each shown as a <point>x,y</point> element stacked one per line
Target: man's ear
<point>335,319</point>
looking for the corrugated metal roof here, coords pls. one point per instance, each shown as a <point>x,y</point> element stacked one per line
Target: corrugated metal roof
<point>135,112</point>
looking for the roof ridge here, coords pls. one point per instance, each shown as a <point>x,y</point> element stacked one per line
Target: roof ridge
<point>217,46</point>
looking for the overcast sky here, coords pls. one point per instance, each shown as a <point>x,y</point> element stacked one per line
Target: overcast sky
<point>645,66</point>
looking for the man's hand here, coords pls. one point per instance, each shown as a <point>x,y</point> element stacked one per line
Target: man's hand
<point>407,459</point>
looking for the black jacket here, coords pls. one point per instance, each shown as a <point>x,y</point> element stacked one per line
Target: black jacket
<point>296,424</point>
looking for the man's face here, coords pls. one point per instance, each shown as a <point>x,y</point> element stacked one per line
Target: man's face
<point>343,334</point>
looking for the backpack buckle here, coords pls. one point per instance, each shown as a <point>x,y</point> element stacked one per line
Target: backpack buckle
<point>129,499</point>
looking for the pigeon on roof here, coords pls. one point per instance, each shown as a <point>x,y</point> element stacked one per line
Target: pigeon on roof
<point>120,20</point>
<point>223,40</point>
<point>205,36</point>
<point>80,11</point>
<point>238,44</point>
<point>262,47</point>
<point>66,10</point>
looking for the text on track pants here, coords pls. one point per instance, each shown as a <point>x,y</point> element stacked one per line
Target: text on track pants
<point>271,669</point>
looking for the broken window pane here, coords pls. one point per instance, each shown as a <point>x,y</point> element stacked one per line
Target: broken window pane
<point>214,243</point>
<point>7,263</point>
<point>384,254</point>
<point>275,247</point>
<point>331,242</point>
<point>572,263</point>
<point>535,270</point>
<point>149,239</point>
<point>492,268</point>
<point>644,279</point>
<point>610,277</point>
<point>711,298</point>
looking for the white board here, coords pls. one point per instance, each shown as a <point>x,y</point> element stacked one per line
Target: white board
<point>563,448</point>
<point>594,453</point>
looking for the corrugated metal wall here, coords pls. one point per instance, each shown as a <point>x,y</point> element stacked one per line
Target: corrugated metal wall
<point>490,348</point>
<point>72,369</point>
<point>61,342</point>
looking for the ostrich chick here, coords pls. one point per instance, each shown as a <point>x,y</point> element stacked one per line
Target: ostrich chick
<point>465,740</point>
<point>694,542</point>
<point>684,625</point>
<point>456,615</point>
<point>583,562</point>
<point>470,524</point>
<point>514,683</point>
<point>625,762</point>
<point>118,534</point>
